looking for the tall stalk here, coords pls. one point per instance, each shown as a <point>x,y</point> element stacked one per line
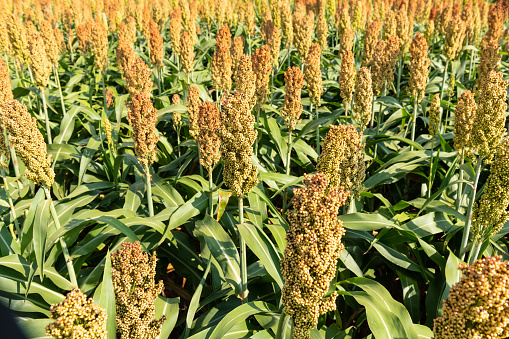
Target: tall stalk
<point>65,251</point>
<point>468,215</point>
<point>400,71</point>
<point>317,132</point>
<point>288,155</point>
<point>104,93</point>
<point>443,80</point>
<point>460,187</point>
<point>243,264</point>
<point>416,106</point>
<point>211,200</point>
<point>57,79</point>
<point>474,253</point>
<point>149,192</point>
<point>46,117</point>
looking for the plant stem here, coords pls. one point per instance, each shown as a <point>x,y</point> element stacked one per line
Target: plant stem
<point>372,112</point>
<point>65,251</point>
<point>471,71</point>
<point>57,79</point>
<point>243,264</point>
<point>400,70</point>
<point>46,116</point>
<point>460,188</point>
<point>474,253</point>
<point>317,132</point>
<point>443,80</point>
<point>159,80</point>
<point>149,192</point>
<point>430,166</point>
<point>414,121</point>
<point>468,215</point>
<point>104,93</point>
<point>11,206</point>
<point>288,155</point>
<point>282,325</point>
<point>211,200</point>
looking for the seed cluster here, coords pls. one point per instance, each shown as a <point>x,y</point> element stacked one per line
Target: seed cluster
<point>347,78</point>
<point>489,61</point>
<point>99,45</point>
<point>133,275</point>
<point>302,32</point>
<point>40,63</point>
<point>488,127</point>
<point>294,80</point>
<point>245,79</point>
<point>28,141</point>
<point>419,67</point>
<point>363,98</point>
<point>261,69</point>
<point>383,64</point>
<point>18,38</point>
<point>490,213</point>
<point>186,52</point>
<point>370,40</point>
<point>77,317</point>
<point>342,158</point>
<point>155,44</point>
<point>478,305</point>
<point>137,76</point>
<point>221,68</point>
<point>313,247</point>
<point>313,74</point>
<point>464,115</point>
<point>142,117</point>
<point>208,139</point>
<point>237,136</point>
<point>193,109</point>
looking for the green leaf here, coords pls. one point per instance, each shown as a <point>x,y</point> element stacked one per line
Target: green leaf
<point>240,314</point>
<point>40,233</point>
<point>107,299</point>
<point>384,298</point>
<point>222,248</point>
<point>195,301</point>
<point>186,211</point>
<point>87,155</point>
<point>263,248</point>
<point>168,307</point>
<point>67,125</point>
<point>365,222</point>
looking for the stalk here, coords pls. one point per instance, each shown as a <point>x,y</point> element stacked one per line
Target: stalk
<point>317,133</point>
<point>243,264</point>
<point>46,117</point>
<point>474,253</point>
<point>104,93</point>
<point>468,222</point>
<point>288,155</point>
<point>372,112</point>
<point>414,122</point>
<point>11,206</point>
<point>289,56</point>
<point>210,198</point>
<point>159,80</point>
<point>430,167</point>
<point>55,72</point>
<point>443,80</point>
<point>149,192</point>
<point>471,71</point>
<point>400,70</point>
<point>460,188</point>
<point>67,257</point>
<point>14,158</point>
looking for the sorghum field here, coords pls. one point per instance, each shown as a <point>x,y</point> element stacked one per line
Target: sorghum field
<point>255,169</point>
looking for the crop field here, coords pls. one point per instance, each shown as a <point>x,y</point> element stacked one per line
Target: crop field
<point>259,169</point>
